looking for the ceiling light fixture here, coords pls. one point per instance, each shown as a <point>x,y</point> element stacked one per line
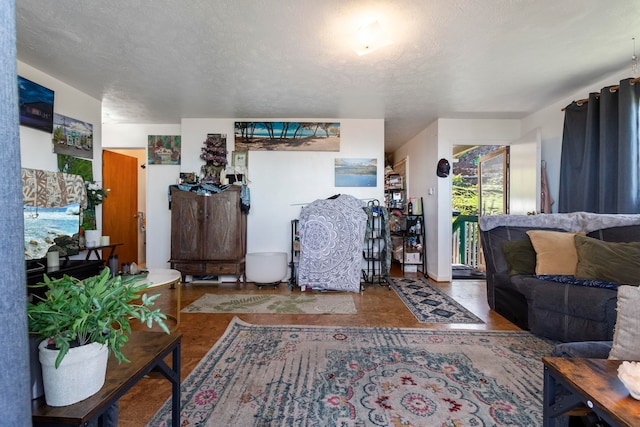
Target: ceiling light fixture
<point>369,38</point>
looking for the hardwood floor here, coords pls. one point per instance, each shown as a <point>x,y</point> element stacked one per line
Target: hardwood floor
<point>377,306</point>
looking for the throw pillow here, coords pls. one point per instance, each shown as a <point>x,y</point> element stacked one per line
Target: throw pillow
<point>520,257</point>
<point>626,335</point>
<point>610,261</point>
<point>555,251</point>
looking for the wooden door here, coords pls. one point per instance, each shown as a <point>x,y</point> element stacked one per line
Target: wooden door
<point>120,208</point>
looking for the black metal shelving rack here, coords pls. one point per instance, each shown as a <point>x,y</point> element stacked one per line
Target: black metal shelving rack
<point>295,253</point>
<point>375,245</point>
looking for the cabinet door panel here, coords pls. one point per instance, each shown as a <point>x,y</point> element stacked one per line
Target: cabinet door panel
<point>187,211</point>
<point>222,226</point>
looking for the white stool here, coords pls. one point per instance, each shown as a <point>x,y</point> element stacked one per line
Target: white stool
<point>266,268</point>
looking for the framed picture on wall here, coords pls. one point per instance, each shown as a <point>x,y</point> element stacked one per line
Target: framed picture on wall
<point>36,105</point>
<point>240,159</point>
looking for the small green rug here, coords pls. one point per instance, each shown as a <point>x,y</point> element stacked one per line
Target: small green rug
<point>307,376</point>
<point>267,303</point>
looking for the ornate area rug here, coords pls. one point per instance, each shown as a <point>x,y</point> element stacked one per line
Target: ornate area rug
<point>348,376</point>
<point>307,303</point>
<point>429,304</point>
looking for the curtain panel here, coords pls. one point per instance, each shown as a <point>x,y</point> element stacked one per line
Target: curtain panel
<point>600,165</point>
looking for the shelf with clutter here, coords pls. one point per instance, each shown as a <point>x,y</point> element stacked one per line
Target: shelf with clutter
<point>408,237</point>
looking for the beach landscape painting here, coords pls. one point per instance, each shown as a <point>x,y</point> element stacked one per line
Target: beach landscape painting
<point>292,136</point>
<point>356,172</point>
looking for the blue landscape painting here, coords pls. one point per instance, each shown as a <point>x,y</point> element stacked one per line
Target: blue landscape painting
<point>356,172</point>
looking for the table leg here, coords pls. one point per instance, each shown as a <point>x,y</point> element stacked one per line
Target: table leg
<point>179,297</point>
<point>175,389</point>
<point>548,399</point>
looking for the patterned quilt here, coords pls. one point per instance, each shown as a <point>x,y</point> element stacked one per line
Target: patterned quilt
<point>331,240</point>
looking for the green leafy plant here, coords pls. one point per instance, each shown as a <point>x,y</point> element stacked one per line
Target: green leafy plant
<point>465,196</point>
<point>97,309</point>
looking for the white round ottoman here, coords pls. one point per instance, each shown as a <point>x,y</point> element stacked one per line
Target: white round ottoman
<point>266,268</point>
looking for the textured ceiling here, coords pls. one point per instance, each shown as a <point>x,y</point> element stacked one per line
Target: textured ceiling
<point>157,61</point>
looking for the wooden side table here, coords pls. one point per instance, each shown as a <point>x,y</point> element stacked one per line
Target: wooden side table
<point>571,383</point>
<point>146,350</point>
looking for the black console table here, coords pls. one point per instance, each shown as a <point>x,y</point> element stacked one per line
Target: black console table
<point>80,269</point>
<point>95,249</point>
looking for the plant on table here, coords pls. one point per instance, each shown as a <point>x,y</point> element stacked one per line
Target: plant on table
<point>97,309</point>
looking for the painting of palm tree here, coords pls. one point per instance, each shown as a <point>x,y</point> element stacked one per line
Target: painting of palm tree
<point>279,136</point>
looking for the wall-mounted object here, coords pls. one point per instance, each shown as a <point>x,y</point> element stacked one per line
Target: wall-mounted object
<point>356,172</point>
<point>287,136</point>
<point>443,168</point>
<point>72,137</point>
<point>164,149</point>
<point>36,105</point>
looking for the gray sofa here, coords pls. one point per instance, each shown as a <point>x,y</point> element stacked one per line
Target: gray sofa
<point>560,311</point>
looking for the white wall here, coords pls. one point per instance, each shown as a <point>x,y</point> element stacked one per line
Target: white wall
<point>420,152</point>
<point>158,179</point>
<point>280,181</point>
<point>450,132</point>
<point>36,147</point>
<point>424,150</point>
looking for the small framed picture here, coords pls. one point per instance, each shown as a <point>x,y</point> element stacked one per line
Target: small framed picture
<point>240,159</point>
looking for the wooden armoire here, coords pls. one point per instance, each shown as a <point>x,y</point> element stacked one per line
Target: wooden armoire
<point>208,233</point>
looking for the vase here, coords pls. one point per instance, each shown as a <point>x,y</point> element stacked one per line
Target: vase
<point>92,238</point>
<point>80,374</point>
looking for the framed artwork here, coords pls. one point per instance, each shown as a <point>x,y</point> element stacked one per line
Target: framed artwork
<point>76,165</point>
<point>188,177</point>
<point>240,159</point>
<point>36,105</point>
<point>287,136</point>
<point>356,172</point>
<point>164,149</point>
<point>72,137</point>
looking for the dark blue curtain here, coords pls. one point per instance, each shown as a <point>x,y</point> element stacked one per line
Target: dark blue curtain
<point>600,165</point>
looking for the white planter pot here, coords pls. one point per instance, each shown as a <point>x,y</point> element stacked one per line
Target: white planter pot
<point>80,374</point>
<point>92,238</point>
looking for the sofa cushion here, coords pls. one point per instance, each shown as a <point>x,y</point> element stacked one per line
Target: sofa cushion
<point>520,256</point>
<point>570,299</point>
<point>626,337</point>
<point>525,284</point>
<point>610,261</point>
<point>555,251</point>
<point>573,280</point>
<point>572,313</point>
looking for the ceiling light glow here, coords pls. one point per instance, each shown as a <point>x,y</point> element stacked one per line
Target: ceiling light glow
<point>369,38</point>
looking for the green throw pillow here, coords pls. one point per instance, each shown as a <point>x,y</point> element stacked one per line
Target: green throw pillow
<point>520,256</point>
<point>610,261</point>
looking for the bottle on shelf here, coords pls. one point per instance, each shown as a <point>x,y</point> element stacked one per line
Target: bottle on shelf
<point>410,208</point>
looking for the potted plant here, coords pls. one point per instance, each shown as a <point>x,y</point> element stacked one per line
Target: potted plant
<point>85,316</point>
<point>95,196</point>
